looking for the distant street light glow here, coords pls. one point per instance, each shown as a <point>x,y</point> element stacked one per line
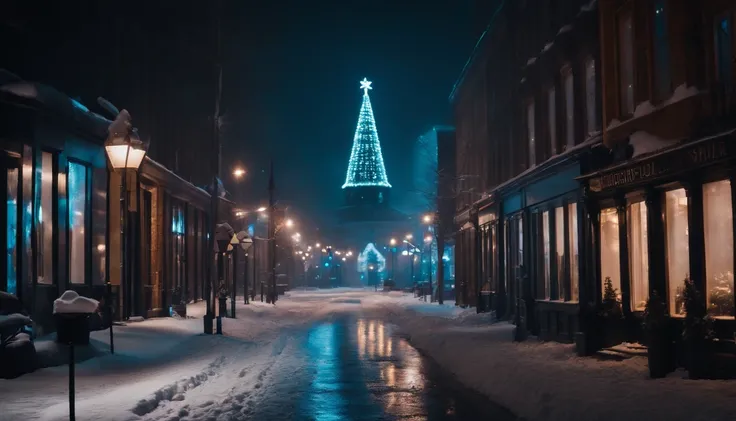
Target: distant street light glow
<point>262,209</point>
<point>238,172</point>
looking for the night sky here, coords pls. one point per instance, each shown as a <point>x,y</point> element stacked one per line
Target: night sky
<point>291,89</point>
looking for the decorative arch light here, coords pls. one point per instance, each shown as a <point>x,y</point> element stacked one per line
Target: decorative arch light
<point>364,256</point>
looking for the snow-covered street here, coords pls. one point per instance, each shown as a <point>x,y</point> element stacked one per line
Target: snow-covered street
<point>316,355</point>
<point>350,354</point>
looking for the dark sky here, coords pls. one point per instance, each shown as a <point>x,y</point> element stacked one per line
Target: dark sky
<point>291,88</point>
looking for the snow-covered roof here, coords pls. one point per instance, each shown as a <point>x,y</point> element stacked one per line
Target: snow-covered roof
<point>24,93</point>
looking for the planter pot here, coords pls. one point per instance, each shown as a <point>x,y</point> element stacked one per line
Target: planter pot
<point>659,355</point>
<point>180,309</point>
<point>614,332</point>
<point>222,306</point>
<point>72,328</point>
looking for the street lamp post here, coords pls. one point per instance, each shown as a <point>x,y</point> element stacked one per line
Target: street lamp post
<point>392,243</point>
<point>125,152</point>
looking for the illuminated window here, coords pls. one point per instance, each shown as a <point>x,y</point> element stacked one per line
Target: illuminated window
<point>626,63</point>
<point>678,250</point>
<point>44,218</point>
<point>718,230</point>
<point>552,120</point>
<point>572,227</point>
<point>546,241</point>
<point>77,184</point>
<point>610,250</point>
<point>560,252</point>
<point>638,255</point>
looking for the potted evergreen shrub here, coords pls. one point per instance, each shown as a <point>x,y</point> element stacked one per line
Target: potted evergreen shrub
<point>179,301</point>
<point>656,324</point>
<point>611,315</point>
<point>697,331</point>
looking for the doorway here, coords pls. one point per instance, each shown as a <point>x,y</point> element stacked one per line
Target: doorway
<point>10,215</point>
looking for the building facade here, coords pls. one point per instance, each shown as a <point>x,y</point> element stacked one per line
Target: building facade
<point>527,109</point>
<point>63,215</point>
<point>594,142</point>
<point>661,203</point>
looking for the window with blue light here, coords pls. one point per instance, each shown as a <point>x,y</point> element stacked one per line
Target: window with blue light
<point>11,228</point>
<point>724,50</point>
<point>662,74</point>
<point>77,185</point>
<point>177,221</point>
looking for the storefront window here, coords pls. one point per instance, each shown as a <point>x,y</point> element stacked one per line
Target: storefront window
<point>718,225</point>
<point>638,255</point>
<point>545,240</point>
<point>44,218</point>
<point>560,252</point>
<point>572,228</point>
<point>77,217</point>
<point>678,253</point>
<point>11,228</point>
<point>610,251</point>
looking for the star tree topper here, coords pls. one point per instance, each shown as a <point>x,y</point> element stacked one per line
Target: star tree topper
<point>365,85</point>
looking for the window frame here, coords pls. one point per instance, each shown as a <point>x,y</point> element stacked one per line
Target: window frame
<point>665,230</point>
<point>624,112</point>
<point>37,163</point>
<point>552,119</point>
<point>657,71</point>
<point>531,131</point>
<point>567,74</point>
<point>591,102</point>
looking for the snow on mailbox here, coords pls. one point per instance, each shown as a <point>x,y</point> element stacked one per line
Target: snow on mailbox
<point>71,312</point>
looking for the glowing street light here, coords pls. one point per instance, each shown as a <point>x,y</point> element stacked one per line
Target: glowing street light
<point>289,223</point>
<point>343,259</point>
<point>427,219</point>
<point>238,172</point>
<point>428,239</point>
<point>261,209</point>
<point>408,237</point>
<point>317,245</point>
<point>392,242</point>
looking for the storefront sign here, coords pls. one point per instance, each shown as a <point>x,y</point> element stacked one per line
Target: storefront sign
<point>685,158</point>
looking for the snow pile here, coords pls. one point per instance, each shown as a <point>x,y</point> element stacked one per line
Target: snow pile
<point>643,109</point>
<point>646,143</point>
<point>566,28</point>
<point>71,302</point>
<point>547,381</point>
<point>588,7</point>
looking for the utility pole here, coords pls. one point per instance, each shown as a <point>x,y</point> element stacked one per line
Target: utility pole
<point>272,237</point>
<point>214,193</point>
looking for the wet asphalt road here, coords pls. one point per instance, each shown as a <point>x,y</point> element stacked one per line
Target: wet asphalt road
<point>353,368</point>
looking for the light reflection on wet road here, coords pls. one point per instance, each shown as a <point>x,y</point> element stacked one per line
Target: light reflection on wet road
<point>358,369</point>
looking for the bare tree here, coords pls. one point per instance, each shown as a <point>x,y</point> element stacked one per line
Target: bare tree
<point>437,190</point>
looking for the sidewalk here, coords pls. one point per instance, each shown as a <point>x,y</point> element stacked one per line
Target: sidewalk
<point>547,381</point>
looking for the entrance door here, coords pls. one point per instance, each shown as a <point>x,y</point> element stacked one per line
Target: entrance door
<point>10,215</point>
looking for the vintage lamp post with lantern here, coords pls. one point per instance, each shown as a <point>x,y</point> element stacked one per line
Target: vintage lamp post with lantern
<point>125,153</point>
<point>246,242</point>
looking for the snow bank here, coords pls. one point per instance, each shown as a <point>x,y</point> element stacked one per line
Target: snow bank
<point>547,381</point>
<point>71,302</point>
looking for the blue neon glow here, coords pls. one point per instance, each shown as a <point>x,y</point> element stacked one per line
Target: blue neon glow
<point>366,167</point>
<point>79,105</point>
<point>177,221</point>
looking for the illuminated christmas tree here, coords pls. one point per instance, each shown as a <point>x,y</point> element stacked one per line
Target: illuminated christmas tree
<point>366,168</point>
